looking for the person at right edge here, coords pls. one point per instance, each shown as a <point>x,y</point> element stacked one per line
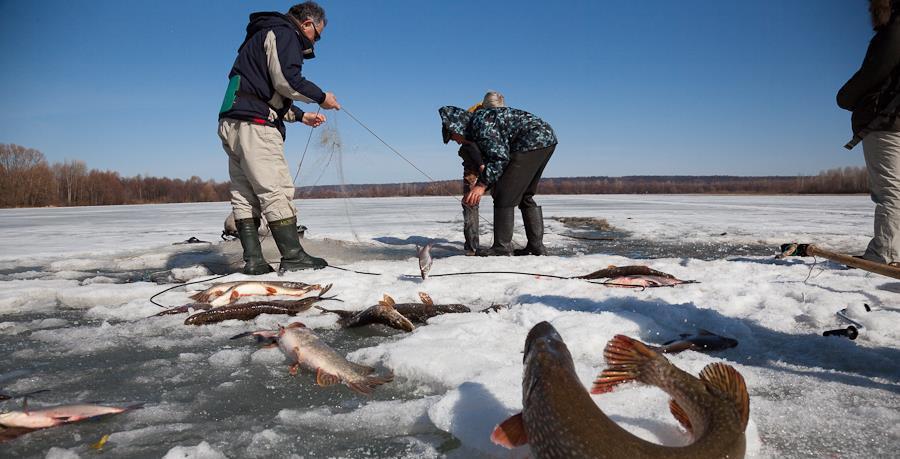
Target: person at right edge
<point>867,95</point>
<point>516,147</point>
<point>263,83</point>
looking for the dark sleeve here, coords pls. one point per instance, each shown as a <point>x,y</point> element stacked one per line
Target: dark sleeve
<point>285,58</point>
<point>471,155</point>
<point>881,59</point>
<point>293,114</point>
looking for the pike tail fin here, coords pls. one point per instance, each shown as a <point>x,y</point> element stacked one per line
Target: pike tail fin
<point>510,433</point>
<point>731,384</point>
<point>367,386</point>
<point>625,358</point>
<point>680,415</point>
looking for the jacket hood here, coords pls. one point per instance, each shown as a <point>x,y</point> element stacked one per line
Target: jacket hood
<point>454,121</point>
<point>273,19</point>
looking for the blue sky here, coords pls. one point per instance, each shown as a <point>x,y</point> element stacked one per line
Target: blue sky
<point>631,88</point>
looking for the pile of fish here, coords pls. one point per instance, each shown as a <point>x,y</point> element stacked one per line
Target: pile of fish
<point>560,420</point>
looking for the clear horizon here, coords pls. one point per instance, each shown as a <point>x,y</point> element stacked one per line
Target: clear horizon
<point>655,88</point>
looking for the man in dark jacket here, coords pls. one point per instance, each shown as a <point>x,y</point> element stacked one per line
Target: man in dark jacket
<point>263,83</point>
<point>516,147</point>
<point>868,95</point>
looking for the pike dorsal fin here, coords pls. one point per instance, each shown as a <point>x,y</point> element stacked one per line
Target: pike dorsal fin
<point>680,415</point>
<point>296,325</point>
<point>387,301</point>
<point>731,384</point>
<point>426,299</point>
<point>511,432</point>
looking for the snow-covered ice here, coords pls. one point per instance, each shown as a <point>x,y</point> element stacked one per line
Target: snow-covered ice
<point>75,303</point>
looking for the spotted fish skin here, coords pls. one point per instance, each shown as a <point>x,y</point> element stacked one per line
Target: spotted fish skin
<point>560,420</point>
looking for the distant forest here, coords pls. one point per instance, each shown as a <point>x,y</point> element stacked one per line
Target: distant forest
<point>28,180</point>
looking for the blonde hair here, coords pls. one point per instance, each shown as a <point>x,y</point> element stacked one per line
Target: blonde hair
<point>493,99</point>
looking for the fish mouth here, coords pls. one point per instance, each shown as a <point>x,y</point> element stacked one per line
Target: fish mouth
<point>542,335</point>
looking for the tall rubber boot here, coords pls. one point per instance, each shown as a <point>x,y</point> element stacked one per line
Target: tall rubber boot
<point>254,262</point>
<point>293,257</point>
<point>533,217</point>
<point>504,219</point>
<point>470,229</point>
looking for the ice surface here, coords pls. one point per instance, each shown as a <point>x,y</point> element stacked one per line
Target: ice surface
<point>75,318</point>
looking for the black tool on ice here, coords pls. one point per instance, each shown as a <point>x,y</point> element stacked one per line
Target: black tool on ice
<point>850,332</point>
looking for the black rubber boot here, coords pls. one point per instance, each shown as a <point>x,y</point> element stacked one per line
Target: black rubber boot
<point>254,262</point>
<point>533,217</point>
<point>293,257</point>
<point>504,219</point>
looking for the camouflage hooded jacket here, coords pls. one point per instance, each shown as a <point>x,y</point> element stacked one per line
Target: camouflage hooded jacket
<point>498,132</point>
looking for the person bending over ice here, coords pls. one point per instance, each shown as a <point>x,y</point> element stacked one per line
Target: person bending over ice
<point>516,147</point>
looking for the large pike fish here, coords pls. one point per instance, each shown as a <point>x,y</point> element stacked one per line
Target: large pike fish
<point>253,309</point>
<point>229,292</point>
<point>400,316</point>
<point>16,423</point>
<point>304,349</point>
<point>560,420</point>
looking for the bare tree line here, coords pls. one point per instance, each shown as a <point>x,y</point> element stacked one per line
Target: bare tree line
<point>28,180</point>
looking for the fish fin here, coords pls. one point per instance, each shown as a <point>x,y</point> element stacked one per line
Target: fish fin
<point>325,379</point>
<point>510,433</point>
<point>426,299</point>
<point>197,296</point>
<point>361,388</point>
<point>624,357</point>
<point>324,290</point>
<point>680,415</point>
<point>674,347</point>
<point>271,290</point>
<point>364,369</point>
<point>387,300</point>
<point>380,379</point>
<point>728,381</point>
<point>704,332</point>
<point>234,296</point>
<point>296,325</point>
<point>294,368</point>
<point>270,345</point>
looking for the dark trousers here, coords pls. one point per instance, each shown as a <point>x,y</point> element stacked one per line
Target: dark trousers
<point>520,179</point>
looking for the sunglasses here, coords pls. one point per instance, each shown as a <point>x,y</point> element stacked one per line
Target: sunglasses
<point>317,36</point>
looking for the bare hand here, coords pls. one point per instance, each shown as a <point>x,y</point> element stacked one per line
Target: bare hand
<point>330,102</point>
<point>313,119</point>
<point>474,197</point>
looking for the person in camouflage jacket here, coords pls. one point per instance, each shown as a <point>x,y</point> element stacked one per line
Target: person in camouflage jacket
<point>516,147</point>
